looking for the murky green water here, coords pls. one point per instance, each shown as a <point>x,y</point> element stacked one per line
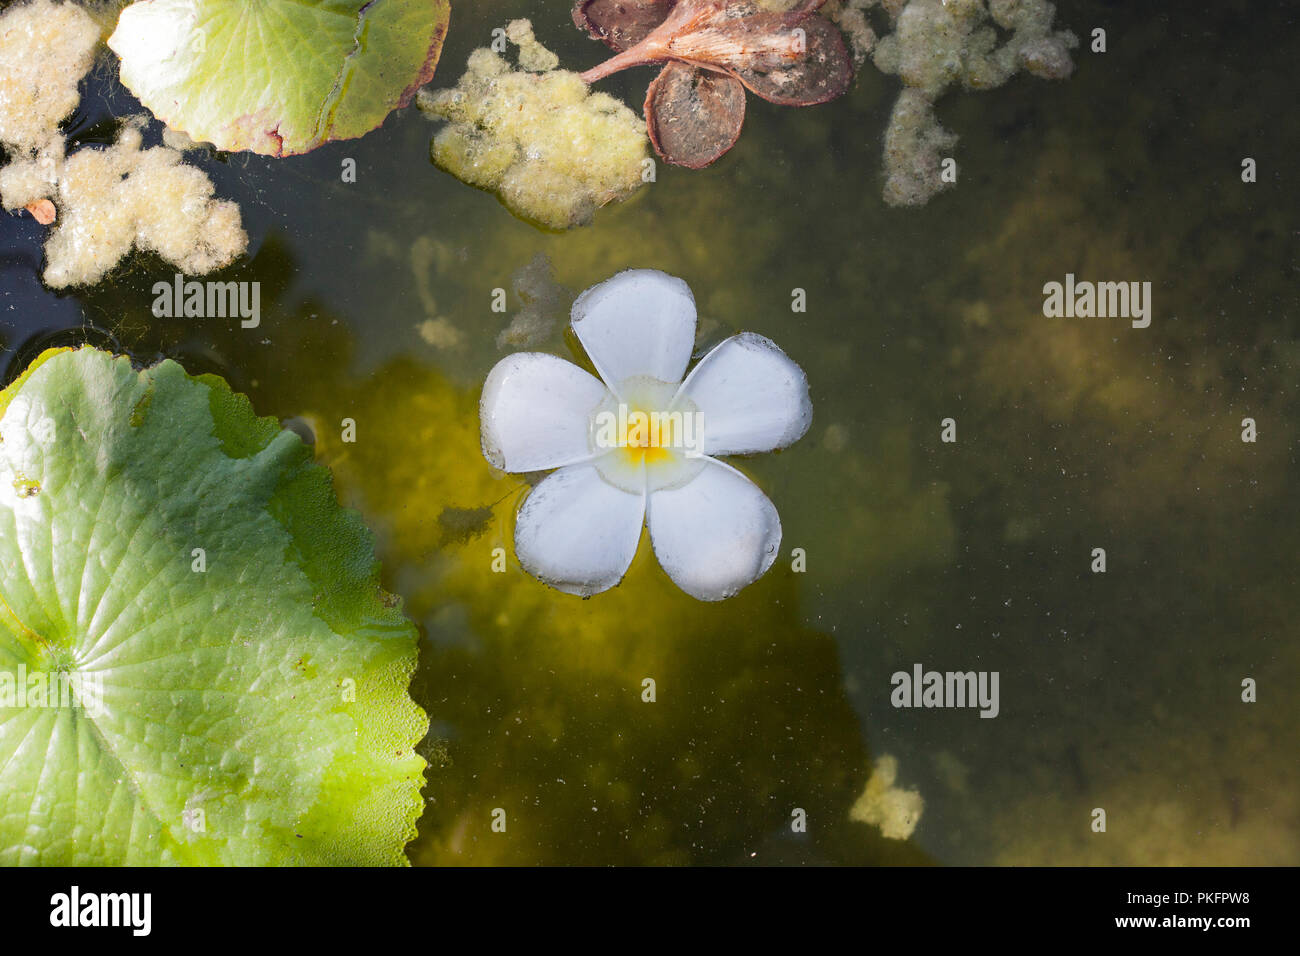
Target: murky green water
<point>1119,691</point>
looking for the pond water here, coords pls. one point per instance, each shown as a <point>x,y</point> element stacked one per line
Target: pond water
<point>1119,690</point>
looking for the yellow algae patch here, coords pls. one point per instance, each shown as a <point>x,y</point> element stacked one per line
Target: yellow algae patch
<point>894,810</point>
<point>552,150</point>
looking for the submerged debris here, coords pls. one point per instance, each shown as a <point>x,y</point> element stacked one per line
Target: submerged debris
<point>462,525</point>
<point>441,333</point>
<point>713,50</point>
<point>105,200</point>
<point>429,256</point>
<point>545,305</point>
<point>939,43</point>
<point>554,151</point>
<point>894,810</point>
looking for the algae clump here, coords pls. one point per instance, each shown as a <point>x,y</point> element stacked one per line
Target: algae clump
<point>45,49</point>
<point>894,810</point>
<point>552,150</point>
<point>106,201</point>
<point>939,43</point>
<point>121,197</point>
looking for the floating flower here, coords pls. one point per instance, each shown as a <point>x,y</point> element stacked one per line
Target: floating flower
<point>713,50</point>
<point>637,446</point>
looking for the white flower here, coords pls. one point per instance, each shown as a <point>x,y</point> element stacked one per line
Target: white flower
<point>638,448</point>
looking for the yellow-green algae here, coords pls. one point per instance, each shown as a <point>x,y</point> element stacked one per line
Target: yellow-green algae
<point>895,810</point>
<point>537,136</point>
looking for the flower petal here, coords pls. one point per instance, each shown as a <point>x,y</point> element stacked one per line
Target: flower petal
<point>715,534</point>
<point>639,323</point>
<point>693,116</point>
<point>752,396</point>
<point>620,23</point>
<point>577,532</point>
<point>535,412</point>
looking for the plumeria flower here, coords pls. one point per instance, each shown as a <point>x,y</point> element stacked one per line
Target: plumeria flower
<point>637,447</point>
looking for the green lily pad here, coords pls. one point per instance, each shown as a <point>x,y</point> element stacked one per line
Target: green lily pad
<point>278,76</point>
<point>224,682</point>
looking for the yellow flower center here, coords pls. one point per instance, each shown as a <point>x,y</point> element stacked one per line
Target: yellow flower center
<point>650,436</point>
<point>647,425</point>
